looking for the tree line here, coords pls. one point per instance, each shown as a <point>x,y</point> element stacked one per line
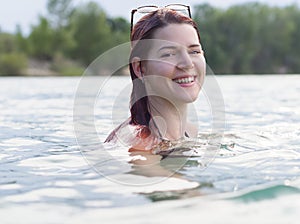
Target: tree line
<point>249,38</point>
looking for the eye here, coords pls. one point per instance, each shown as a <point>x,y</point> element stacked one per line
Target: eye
<point>167,54</point>
<point>197,51</point>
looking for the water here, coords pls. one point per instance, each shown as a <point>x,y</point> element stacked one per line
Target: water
<point>46,177</point>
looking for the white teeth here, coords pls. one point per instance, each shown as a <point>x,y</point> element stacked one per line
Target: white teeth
<point>184,80</point>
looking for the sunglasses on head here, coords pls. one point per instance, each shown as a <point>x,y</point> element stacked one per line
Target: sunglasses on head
<point>151,8</point>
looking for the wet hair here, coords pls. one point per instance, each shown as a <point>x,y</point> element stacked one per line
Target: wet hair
<point>145,29</point>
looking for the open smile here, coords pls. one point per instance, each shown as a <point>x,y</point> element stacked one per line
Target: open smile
<point>185,80</point>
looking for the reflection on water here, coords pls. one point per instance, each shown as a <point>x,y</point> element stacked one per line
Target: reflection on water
<point>46,174</point>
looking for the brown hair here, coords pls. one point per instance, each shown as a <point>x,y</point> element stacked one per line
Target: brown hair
<point>145,29</point>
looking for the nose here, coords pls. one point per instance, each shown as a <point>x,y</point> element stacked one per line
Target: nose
<point>185,61</point>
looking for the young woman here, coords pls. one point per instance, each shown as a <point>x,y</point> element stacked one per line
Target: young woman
<point>167,68</point>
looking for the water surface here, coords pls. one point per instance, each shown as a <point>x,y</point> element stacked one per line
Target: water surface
<point>46,176</point>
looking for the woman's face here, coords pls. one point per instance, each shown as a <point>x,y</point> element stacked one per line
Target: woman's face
<point>175,68</point>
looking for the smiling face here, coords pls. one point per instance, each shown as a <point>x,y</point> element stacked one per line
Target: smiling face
<point>175,68</point>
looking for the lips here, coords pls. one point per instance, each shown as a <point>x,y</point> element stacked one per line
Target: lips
<point>185,80</point>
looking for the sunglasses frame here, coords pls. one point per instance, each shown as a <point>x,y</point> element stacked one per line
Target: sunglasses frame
<point>188,9</point>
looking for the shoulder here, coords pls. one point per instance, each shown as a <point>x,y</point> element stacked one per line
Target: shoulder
<point>133,136</point>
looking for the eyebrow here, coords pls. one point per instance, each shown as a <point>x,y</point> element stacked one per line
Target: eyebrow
<point>167,47</point>
<point>175,47</point>
<point>194,45</point>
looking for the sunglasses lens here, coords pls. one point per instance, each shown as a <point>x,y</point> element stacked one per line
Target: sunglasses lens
<point>177,7</point>
<point>148,9</point>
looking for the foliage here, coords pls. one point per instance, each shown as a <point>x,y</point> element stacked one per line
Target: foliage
<point>12,64</point>
<point>120,29</point>
<point>41,40</point>
<point>66,67</point>
<point>7,43</point>
<point>245,38</point>
<point>60,11</point>
<point>90,31</point>
<point>250,38</point>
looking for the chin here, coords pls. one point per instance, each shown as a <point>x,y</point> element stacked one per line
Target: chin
<point>190,98</point>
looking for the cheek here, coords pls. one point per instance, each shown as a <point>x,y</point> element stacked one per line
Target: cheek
<point>201,67</point>
<point>160,69</point>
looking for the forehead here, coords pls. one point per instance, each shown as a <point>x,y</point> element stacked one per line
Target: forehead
<point>182,34</point>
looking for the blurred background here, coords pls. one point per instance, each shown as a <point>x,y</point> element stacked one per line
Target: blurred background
<point>62,37</point>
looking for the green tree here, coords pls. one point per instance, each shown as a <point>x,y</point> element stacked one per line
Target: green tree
<point>207,18</point>
<point>292,56</point>
<point>91,32</point>
<point>250,38</point>
<point>21,41</point>
<point>41,40</point>
<point>60,12</point>
<point>50,36</point>
<point>7,43</point>
<point>59,16</point>
<point>12,63</point>
<point>120,30</point>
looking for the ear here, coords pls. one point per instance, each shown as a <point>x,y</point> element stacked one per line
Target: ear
<point>137,67</point>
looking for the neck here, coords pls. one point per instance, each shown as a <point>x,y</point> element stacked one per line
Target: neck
<point>169,120</point>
